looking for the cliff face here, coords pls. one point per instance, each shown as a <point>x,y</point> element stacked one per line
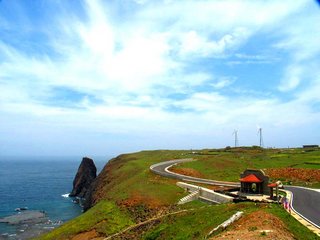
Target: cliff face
<point>99,186</point>
<point>105,182</point>
<point>86,174</point>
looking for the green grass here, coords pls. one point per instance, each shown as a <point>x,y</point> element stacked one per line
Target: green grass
<point>195,224</point>
<point>198,223</point>
<point>128,177</point>
<point>131,177</point>
<point>105,217</point>
<point>229,164</point>
<point>295,227</point>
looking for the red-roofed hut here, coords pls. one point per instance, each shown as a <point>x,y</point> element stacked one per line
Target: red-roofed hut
<point>254,182</point>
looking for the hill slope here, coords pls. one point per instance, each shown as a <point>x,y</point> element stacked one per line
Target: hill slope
<point>128,200</point>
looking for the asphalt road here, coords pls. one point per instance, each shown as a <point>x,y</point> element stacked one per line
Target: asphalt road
<point>306,202</point>
<point>162,169</point>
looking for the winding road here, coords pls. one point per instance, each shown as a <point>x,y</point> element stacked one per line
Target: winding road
<point>305,202</point>
<point>162,169</point>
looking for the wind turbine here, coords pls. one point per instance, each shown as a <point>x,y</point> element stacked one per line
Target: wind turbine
<point>260,136</point>
<point>235,133</point>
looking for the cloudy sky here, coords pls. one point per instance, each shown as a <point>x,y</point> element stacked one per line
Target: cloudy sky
<point>106,77</point>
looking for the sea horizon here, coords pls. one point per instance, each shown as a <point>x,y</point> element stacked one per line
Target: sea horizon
<point>40,185</point>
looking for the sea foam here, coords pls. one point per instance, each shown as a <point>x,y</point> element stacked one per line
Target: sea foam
<point>65,195</point>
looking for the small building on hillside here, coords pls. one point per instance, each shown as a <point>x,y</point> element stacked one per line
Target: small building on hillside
<point>310,146</point>
<point>254,181</point>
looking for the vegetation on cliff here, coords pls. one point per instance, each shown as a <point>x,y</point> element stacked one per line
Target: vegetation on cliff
<point>129,202</point>
<point>292,166</point>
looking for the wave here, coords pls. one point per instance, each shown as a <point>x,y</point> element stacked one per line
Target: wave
<point>65,195</point>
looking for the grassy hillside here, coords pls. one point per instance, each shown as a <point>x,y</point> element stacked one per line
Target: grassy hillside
<point>279,164</point>
<point>131,200</point>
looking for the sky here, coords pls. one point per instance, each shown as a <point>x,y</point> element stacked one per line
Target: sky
<point>110,77</point>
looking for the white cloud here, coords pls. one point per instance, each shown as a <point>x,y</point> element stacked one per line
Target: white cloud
<point>292,78</point>
<point>223,82</point>
<point>131,65</point>
<point>141,1</point>
<point>227,14</point>
<point>96,56</point>
<point>194,44</point>
<point>140,61</point>
<point>186,83</point>
<point>251,57</point>
<point>241,58</point>
<point>300,36</point>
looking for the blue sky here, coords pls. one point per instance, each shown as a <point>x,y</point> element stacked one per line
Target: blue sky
<point>107,77</point>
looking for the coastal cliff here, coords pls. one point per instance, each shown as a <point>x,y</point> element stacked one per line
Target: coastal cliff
<point>86,174</point>
<point>99,188</point>
<point>128,201</point>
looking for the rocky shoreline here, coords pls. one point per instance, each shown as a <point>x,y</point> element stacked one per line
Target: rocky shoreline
<point>28,224</point>
<point>25,217</point>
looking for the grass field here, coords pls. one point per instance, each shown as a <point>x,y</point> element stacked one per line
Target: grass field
<point>106,218</point>
<point>128,194</point>
<point>228,164</point>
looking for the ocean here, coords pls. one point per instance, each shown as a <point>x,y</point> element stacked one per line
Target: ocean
<point>39,184</point>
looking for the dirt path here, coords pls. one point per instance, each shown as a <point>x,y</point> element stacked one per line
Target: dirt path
<point>256,225</point>
<point>144,223</point>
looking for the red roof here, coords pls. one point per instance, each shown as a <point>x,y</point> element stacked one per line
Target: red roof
<point>272,185</point>
<point>251,179</point>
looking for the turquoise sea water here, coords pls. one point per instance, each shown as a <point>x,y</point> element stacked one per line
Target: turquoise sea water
<point>39,185</point>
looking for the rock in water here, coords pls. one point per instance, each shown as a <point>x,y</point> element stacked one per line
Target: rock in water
<point>25,217</point>
<point>86,174</point>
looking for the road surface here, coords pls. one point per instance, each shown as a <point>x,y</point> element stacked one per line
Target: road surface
<point>306,202</point>
<point>162,169</point>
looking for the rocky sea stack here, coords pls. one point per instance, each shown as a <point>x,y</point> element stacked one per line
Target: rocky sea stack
<point>86,174</point>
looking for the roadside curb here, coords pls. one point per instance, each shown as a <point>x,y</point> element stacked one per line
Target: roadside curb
<point>294,214</point>
<point>167,173</point>
<point>312,189</point>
